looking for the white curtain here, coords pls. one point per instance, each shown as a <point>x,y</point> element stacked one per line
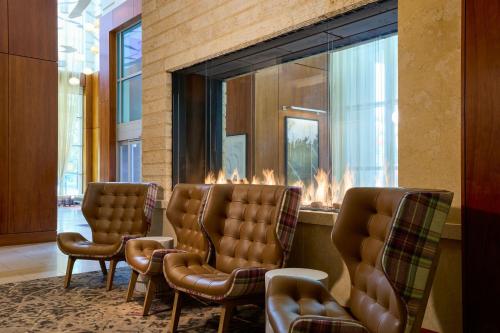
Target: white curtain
<point>364,112</point>
<point>70,104</point>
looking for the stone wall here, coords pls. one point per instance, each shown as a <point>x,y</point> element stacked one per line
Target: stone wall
<point>180,33</point>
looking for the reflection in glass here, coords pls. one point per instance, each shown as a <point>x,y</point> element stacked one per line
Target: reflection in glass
<point>131,51</point>
<point>123,158</point>
<point>135,159</point>
<point>302,160</point>
<point>131,99</point>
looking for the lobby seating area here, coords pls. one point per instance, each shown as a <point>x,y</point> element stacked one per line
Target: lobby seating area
<point>230,235</point>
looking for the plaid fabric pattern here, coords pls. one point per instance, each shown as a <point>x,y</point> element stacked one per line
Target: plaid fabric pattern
<point>247,281</point>
<point>412,246</point>
<point>319,324</point>
<point>287,223</point>
<point>150,202</point>
<point>201,218</point>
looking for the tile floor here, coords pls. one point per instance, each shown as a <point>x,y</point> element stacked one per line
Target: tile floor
<point>34,261</point>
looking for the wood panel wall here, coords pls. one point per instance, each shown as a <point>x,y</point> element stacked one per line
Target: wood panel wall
<point>481,168</point>
<point>240,113</point>
<point>28,121</point>
<point>266,134</point>
<point>4,32</point>
<point>4,143</point>
<point>124,15</point>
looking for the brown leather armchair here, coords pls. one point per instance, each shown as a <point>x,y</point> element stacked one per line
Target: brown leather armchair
<point>146,256</point>
<point>116,212</point>
<point>251,228</point>
<point>388,238</point>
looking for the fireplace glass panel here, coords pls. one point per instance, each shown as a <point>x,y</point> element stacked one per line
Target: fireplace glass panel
<point>326,120</point>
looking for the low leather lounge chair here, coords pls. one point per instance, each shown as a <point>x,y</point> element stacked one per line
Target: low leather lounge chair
<point>251,228</point>
<point>145,257</point>
<point>388,238</point>
<point>116,212</point>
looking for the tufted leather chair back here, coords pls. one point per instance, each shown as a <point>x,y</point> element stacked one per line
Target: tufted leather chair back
<point>388,238</point>
<point>114,210</point>
<point>241,222</point>
<point>359,234</point>
<point>184,212</point>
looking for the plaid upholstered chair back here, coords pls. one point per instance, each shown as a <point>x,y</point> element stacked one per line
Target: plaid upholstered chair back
<point>251,225</point>
<point>388,238</point>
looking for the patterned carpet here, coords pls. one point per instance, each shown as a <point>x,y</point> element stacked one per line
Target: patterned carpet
<point>44,306</point>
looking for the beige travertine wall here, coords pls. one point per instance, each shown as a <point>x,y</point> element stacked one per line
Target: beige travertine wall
<point>429,37</point>
<point>178,33</point>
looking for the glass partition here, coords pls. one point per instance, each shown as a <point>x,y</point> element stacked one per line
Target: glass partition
<point>324,118</point>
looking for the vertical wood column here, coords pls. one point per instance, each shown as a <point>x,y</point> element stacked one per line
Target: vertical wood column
<point>481,203</point>
<point>28,121</point>
<point>4,143</point>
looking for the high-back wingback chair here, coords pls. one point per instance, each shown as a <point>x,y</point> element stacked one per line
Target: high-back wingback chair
<point>251,228</point>
<point>116,212</point>
<point>184,210</point>
<point>388,238</point>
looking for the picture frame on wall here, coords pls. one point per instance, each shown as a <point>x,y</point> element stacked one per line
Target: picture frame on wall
<point>302,149</point>
<point>234,156</point>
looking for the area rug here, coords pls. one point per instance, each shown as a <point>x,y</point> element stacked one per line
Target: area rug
<point>45,306</point>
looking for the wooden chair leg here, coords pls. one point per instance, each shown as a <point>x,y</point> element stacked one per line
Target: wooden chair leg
<point>103,267</point>
<point>69,271</point>
<point>176,312</point>
<point>150,295</point>
<point>131,285</point>
<point>225,317</point>
<point>111,274</point>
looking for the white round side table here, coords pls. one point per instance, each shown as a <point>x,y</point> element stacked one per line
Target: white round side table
<point>298,272</point>
<point>142,281</point>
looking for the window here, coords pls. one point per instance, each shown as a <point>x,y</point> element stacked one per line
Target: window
<point>129,103</point>
<point>70,136</point>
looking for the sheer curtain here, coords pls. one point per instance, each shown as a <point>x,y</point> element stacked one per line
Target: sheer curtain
<point>70,104</point>
<point>364,112</point>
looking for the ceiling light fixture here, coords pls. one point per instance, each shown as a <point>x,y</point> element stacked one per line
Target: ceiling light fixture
<point>74,81</point>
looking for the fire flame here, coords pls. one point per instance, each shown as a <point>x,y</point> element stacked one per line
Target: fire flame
<point>319,194</point>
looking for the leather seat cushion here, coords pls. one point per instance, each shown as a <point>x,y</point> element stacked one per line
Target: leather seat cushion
<point>292,297</point>
<point>138,253</point>
<point>75,244</point>
<point>188,272</point>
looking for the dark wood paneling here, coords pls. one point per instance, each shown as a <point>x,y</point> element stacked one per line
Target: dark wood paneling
<point>28,237</point>
<point>33,28</point>
<point>4,32</point>
<point>33,144</point>
<point>481,200</point>
<point>266,120</point>
<point>4,144</point>
<point>194,133</point>
<point>240,111</point>
<point>124,15</point>
<point>304,83</point>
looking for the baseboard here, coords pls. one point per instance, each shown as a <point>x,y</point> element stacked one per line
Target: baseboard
<point>28,238</point>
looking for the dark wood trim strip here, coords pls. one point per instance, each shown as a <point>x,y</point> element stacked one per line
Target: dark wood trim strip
<point>28,238</point>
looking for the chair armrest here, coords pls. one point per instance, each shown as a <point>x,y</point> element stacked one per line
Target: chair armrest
<point>157,256</point>
<point>320,324</point>
<point>120,251</point>
<point>247,281</point>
